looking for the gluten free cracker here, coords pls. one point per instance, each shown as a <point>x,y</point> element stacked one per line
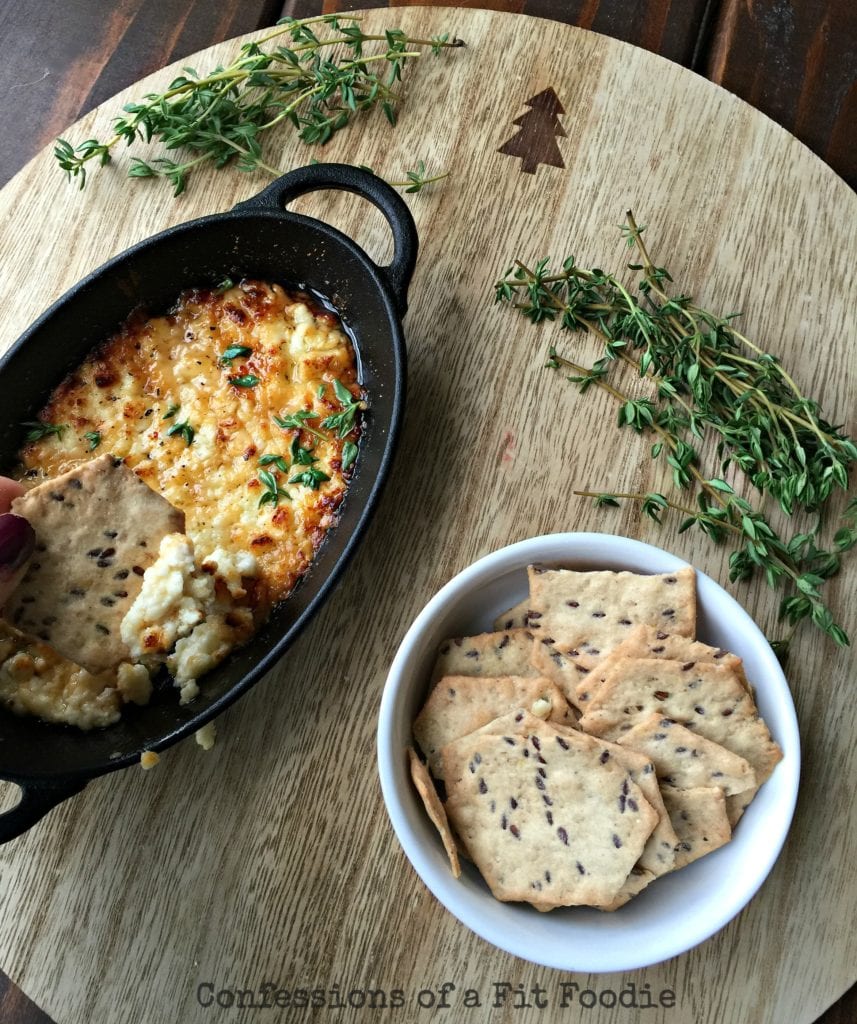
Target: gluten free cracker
<point>504,653</point>
<point>459,705</point>
<point>544,818</point>
<point>648,642</point>
<point>658,854</point>
<point>685,759</point>
<point>700,821</point>
<point>515,617</point>
<point>580,617</point>
<point>707,698</point>
<point>434,808</point>
<point>98,528</point>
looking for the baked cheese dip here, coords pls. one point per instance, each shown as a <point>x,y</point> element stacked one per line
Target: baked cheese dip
<point>241,407</point>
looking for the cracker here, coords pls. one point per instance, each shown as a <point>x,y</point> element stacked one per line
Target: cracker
<point>98,528</point>
<point>686,760</point>
<point>515,617</point>
<point>544,818</point>
<point>658,855</point>
<point>648,642</point>
<point>700,821</point>
<point>659,852</point>
<point>580,617</point>
<point>434,808</point>
<point>506,653</point>
<point>709,699</point>
<point>459,705</point>
<point>737,804</point>
<point>632,886</point>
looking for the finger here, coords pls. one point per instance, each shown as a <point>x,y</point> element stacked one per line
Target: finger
<point>9,489</point>
<point>17,541</point>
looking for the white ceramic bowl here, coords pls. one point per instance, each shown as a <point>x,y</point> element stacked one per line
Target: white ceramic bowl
<point>677,911</point>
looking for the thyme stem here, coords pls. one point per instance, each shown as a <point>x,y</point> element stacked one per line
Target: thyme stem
<point>222,116</point>
<point>706,376</point>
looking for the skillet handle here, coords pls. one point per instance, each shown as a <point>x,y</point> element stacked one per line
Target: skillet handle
<point>36,800</point>
<point>347,178</point>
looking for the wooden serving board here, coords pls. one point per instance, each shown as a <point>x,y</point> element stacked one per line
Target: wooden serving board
<point>271,859</point>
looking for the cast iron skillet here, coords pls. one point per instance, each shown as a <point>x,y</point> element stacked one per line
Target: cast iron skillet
<point>257,238</point>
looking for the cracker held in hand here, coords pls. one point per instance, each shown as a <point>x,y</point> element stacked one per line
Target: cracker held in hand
<point>648,642</point>
<point>506,653</point>
<point>434,808</point>
<point>544,818</point>
<point>684,759</point>
<point>580,617</point>
<point>459,705</point>
<point>98,528</point>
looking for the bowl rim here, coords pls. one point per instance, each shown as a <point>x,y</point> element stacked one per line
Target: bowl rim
<point>391,761</point>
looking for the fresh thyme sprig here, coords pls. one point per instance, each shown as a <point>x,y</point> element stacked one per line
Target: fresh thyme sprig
<point>414,181</point>
<point>221,117</point>
<point>38,429</point>
<point>272,491</point>
<point>299,421</point>
<point>184,430</point>
<point>705,375</point>
<point>344,421</point>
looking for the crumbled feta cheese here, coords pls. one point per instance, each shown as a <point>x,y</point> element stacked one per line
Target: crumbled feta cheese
<point>171,602</point>
<point>206,736</point>
<point>541,708</point>
<point>232,567</point>
<point>198,653</point>
<point>133,683</point>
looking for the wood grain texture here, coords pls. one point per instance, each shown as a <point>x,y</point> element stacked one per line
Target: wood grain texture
<point>796,62</point>
<point>271,858</point>
<point>63,57</point>
<point>668,27</point>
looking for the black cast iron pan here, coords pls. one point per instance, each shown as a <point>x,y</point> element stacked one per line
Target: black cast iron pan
<point>260,239</point>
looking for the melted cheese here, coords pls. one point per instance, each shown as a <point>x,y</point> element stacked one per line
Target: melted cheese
<point>164,372</point>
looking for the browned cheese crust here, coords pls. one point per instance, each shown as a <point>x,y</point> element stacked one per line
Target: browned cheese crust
<point>159,373</point>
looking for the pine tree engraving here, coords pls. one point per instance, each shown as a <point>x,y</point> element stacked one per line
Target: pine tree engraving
<point>536,143</point>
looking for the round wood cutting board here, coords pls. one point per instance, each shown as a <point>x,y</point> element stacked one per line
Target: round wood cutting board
<point>271,859</point>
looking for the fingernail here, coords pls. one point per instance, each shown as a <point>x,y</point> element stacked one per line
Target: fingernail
<point>17,540</point>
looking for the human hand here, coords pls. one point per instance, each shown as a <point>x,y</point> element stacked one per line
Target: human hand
<point>17,540</point>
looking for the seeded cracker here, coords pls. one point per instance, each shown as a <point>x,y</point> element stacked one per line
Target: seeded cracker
<point>709,699</point>
<point>685,760</point>
<point>98,528</point>
<point>515,617</point>
<point>699,818</point>
<point>544,819</point>
<point>647,642</point>
<point>736,805</point>
<point>580,617</point>
<point>459,705</point>
<point>505,653</point>
<point>434,808</point>
<point>658,855</point>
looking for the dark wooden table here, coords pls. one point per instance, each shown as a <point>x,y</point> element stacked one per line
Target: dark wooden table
<point>795,60</point>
